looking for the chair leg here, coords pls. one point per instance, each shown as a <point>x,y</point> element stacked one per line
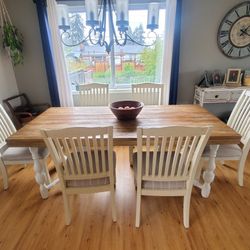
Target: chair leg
<point>113,204</point>
<point>186,208</point>
<point>46,171</point>
<point>241,167</point>
<point>138,208</point>
<point>4,175</point>
<point>67,209</point>
<point>131,148</point>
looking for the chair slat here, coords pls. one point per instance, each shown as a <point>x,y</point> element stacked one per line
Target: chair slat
<point>83,159</point>
<point>102,143</point>
<point>169,155</point>
<point>190,155</point>
<point>183,155</point>
<point>240,103</point>
<point>162,154</point>
<point>176,157</point>
<point>156,144</point>
<point>59,148</point>
<point>242,115</point>
<point>148,93</point>
<point>93,94</point>
<point>89,155</point>
<point>96,154</point>
<point>147,154</point>
<point>67,151</point>
<point>75,154</point>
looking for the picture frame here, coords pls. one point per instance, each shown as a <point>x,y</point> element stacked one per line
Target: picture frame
<point>217,79</point>
<point>233,78</point>
<point>246,81</point>
<point>205,80</point>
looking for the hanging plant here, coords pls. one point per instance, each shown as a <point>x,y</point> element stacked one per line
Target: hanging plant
<point>13,42</point>
<point>12,39</point>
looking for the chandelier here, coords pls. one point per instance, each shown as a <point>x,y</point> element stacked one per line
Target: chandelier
<point>99,18</point>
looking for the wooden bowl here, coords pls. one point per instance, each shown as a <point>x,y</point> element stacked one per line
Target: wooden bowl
<point>126,110</point>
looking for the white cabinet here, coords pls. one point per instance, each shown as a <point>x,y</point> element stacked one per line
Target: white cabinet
<point>217,94</point>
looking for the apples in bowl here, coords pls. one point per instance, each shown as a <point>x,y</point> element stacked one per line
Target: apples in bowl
<point>126,110</point>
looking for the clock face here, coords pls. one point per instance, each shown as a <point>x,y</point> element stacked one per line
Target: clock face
<point>234,32</point>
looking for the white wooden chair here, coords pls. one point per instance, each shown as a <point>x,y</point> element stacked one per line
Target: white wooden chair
<point>169,169</point>
<point>15,155</point>
<point>93,94</point>
<point>239,120</point>
<point>148,93</point>
<point>84,160</point>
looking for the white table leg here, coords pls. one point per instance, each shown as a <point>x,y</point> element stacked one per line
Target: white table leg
<point>208,174</point>
<point>39,172</point>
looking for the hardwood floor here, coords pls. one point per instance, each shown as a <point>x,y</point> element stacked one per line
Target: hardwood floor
<point>220,222</point>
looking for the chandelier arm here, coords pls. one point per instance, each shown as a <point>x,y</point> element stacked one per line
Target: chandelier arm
<point>141,44</point>
<point>90,38</point>
<point>111,7</point>
<point>102,36</point>
<point>75,44</point>
<point>102,4</point>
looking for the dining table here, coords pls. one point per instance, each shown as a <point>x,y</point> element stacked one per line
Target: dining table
<point>124,132</point>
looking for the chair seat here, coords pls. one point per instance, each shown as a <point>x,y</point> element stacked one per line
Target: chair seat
<point>97,181</point>
<point>88,183</point>
<point>156,184</point>
<point>22,154</point>
<point>225,151</point>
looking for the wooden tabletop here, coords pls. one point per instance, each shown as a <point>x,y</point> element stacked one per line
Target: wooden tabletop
<point>124,131</point>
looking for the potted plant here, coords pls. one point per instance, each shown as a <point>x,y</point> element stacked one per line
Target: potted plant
<point>12,39</point>
<point>13,42</point>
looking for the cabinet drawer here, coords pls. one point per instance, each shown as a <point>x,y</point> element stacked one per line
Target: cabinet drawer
<point>235,95</point>
<point>217,96</point>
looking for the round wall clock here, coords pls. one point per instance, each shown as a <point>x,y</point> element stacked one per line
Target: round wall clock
<point>234,32</point>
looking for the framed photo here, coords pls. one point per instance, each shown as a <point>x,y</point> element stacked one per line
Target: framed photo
<point>217,78</point>
<point>205,80</point>
<point>233,78</point>
<point>247,78</point>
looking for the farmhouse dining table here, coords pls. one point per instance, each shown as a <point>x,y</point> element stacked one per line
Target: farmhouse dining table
<point>124,132</point>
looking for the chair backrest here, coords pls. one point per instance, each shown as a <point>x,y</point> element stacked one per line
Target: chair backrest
<point>148,93</point>
<point>81,153</point>
<point>239,119</point>
<point>17,103</point>
<point>14,102</point>
<point>172,153</point>
<point>7,128</point>
<point>94,94</point>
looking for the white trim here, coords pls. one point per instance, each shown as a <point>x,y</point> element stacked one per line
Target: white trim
<point>64,88</point>
<point>168,48</point>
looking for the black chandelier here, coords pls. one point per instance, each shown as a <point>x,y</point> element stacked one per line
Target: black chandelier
<point>97,20</point>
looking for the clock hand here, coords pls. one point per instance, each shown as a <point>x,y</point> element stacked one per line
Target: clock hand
<point>244,32</point>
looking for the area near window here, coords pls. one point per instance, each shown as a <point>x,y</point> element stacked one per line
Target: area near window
<point>124,65</point>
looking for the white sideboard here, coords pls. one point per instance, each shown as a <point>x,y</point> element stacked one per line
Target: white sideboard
<point>219,94</point>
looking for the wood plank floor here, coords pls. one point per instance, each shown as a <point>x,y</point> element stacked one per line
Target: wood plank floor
<point>220,222</point>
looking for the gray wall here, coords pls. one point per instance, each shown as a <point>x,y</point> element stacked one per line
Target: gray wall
<point>199,50</point>
<point>8,85</point>
<point>31,76</point>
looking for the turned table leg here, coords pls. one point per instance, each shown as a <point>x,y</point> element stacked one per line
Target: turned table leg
<point>39,172</point>
<point>208,174</point>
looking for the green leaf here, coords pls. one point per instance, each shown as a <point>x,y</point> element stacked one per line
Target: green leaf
<point>13,40</point>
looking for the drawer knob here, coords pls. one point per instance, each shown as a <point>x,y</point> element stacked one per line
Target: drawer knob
<point>216,96</point>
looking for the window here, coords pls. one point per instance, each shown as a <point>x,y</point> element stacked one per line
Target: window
<point>124,65</point>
